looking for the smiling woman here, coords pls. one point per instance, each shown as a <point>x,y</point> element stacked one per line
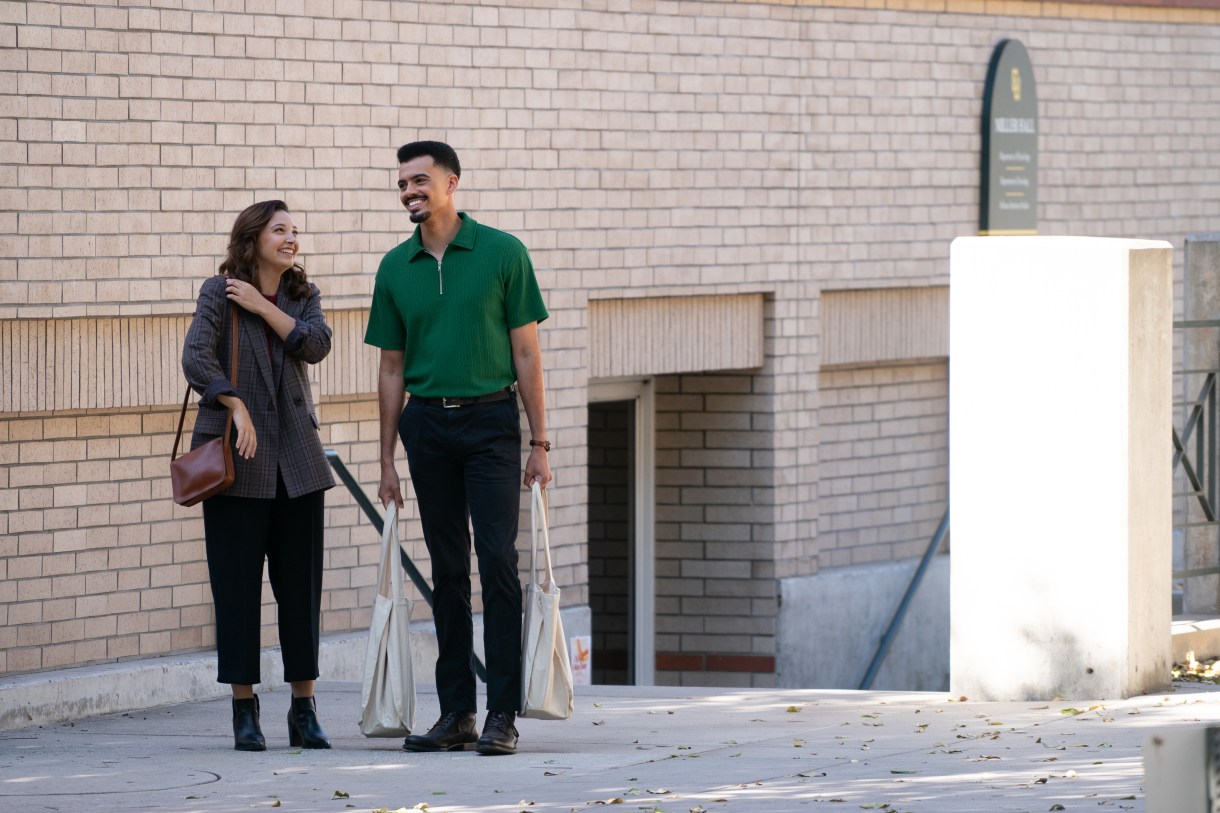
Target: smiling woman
<point>273,513</point>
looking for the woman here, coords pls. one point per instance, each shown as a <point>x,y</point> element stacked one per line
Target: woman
<point>273,510</point>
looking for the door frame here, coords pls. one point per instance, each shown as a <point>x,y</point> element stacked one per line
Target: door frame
<point>641,392</point>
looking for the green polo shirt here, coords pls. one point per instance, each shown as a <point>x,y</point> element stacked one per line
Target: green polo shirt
<point>451,318</point>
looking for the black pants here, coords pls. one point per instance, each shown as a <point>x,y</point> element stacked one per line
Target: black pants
<point>241,533</point>
<point>465,466</point>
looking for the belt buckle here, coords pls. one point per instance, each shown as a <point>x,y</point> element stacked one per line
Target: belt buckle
<point>456,403</point>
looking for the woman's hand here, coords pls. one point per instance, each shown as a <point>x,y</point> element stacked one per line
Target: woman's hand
<point>246,295</point>
<point>247,442</point>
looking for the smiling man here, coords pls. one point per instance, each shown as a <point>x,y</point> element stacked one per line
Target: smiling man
<point>455,312</point>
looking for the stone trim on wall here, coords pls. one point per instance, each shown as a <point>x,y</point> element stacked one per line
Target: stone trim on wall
<point>680,334</point>
<point>885,325</point>
<point>58,365</point>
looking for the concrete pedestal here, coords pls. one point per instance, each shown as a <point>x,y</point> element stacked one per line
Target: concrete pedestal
<point>1060,370</point>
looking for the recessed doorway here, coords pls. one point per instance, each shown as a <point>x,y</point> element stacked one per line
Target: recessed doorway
<point>622,593</point>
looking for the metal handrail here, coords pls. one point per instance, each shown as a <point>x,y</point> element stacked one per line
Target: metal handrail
<point>891,631</point>
<point>362,500</point>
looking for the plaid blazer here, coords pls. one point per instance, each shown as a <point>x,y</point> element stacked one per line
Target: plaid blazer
<point>273,387</point>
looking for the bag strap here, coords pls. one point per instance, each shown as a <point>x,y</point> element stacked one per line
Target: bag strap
<point>186,398</point>
<point>389,547</point>
<point>538,508</point>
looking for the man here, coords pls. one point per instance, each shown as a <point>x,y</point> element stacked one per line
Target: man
<point>455,312</point>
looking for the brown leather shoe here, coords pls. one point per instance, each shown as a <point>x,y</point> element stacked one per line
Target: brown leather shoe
<point>453,732</point>
<point>499,734</point>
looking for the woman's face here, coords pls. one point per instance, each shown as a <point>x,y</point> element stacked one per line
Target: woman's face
<point>277,243</point>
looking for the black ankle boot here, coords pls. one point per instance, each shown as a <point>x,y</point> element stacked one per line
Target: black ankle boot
<point>247,736</point>
<point>303,728</point>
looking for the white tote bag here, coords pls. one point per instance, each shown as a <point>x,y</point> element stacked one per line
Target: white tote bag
<point>388,695</point>
<point>546,673</point>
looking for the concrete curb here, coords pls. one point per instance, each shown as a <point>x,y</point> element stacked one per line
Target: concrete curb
<point>72,694</point>
<point>61,695</point>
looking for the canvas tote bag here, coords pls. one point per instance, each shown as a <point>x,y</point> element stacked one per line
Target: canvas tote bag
<point>546,672</point>
<point>388,695</point>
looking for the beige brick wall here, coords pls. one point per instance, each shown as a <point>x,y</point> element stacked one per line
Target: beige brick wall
<point>655,150</point>
<point>884,461</point>
<point>715,585</point>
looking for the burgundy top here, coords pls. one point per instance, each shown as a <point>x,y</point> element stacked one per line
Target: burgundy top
<point>271,337</point>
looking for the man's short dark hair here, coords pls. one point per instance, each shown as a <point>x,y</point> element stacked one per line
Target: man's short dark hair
<point>441,154</point>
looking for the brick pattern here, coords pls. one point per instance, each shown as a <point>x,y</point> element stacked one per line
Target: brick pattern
<point>884,462</point>
<point>100,565</point>
<point>715,586</point>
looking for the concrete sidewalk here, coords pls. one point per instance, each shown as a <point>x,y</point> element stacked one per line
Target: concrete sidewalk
<point>653,749</point>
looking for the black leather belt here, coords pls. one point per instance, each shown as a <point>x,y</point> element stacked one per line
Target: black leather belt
<point>451,403</point>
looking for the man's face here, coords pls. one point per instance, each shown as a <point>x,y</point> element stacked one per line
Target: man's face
<point>425,188</point>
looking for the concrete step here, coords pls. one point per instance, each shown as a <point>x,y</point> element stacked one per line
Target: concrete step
<point>1195,633</point>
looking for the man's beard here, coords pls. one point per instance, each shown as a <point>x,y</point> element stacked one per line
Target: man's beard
<point>420,216</point>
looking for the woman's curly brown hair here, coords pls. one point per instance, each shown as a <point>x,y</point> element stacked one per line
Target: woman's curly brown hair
<point>241,259</point>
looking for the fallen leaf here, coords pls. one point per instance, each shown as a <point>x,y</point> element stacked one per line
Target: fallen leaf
<point>904,771</point>
<point>339,794</point>
<point>793,709</point>
<point>1056,807</point>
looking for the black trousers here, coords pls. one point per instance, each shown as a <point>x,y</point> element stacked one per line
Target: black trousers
<point>465,467</point>
<point>242,532</point>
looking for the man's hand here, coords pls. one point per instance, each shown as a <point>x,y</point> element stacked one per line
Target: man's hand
<point>538,467</point>
<point>391,487</point>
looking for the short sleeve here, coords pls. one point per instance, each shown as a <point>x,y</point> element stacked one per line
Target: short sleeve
<point>386,329</point>
<point>522,298</point>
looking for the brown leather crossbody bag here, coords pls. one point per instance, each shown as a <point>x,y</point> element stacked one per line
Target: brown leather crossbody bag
<point>208,470</point>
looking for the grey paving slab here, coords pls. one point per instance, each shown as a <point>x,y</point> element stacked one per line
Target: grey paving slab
<point>653,749</point>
